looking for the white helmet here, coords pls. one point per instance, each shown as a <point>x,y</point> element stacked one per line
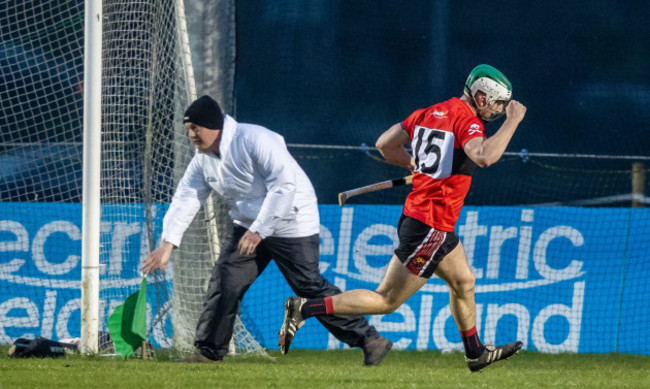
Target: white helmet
<point>490,81</point>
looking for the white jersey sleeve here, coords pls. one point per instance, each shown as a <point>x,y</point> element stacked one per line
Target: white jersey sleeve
<point>278,168</point>
<point>190,194</point>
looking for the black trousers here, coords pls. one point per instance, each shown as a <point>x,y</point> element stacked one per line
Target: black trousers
<point>233,274</point>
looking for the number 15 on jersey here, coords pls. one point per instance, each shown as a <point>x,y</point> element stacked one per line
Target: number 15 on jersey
<point>433,151</point>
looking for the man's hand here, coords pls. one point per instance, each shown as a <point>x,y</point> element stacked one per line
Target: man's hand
<point>515,111</point>
<point>158,259</point>
<point>248,243</point>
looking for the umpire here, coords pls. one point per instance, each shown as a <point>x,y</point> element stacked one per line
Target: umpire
<point>275,213</point>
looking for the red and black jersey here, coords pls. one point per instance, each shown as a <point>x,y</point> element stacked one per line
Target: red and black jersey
<point>443,172</point>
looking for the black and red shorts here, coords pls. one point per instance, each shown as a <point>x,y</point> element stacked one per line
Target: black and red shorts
<point>422,247</point>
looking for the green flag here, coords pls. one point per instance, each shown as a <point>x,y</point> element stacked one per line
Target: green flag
<point>128,323</point>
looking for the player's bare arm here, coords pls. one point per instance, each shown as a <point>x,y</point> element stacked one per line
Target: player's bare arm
<point>391,146</point>
<point>486,151</point>
<point>158,258</point>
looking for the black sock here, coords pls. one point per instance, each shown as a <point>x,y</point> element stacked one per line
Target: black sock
<point>473,346</point>
<point>316,306</point>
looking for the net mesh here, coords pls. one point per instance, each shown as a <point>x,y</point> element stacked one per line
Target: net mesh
<point>41,64</point>
<point>146,85</point>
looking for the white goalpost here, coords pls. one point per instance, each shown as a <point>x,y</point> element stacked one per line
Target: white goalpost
<point>91,174</point>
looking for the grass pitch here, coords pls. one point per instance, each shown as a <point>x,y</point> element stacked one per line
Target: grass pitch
<point>330,369</point>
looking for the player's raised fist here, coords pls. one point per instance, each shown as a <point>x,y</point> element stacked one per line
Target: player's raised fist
<point>515,110</point>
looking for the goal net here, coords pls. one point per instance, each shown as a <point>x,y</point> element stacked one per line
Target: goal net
<point>147,83</point>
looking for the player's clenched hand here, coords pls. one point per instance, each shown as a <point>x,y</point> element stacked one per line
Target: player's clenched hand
<point>158,259</point>
<point>249,242</point>
<point>515,111</point>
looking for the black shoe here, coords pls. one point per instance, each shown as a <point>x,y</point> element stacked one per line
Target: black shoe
<point>375,351</point>
<point>292,322</point>
<point>493,354</point>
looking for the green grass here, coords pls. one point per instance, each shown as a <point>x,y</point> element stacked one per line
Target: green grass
<point>330,369</point>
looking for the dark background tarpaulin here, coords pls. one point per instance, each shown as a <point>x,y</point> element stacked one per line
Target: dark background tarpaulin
<point>337,72</point>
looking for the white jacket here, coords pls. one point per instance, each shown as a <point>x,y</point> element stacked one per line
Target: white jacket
<point>263,186</point>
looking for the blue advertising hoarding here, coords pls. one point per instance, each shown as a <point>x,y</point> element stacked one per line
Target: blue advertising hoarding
<point>560,279</point>
<point>40,268</point>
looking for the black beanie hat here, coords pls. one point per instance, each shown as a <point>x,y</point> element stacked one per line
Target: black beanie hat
<point>205,112</point>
